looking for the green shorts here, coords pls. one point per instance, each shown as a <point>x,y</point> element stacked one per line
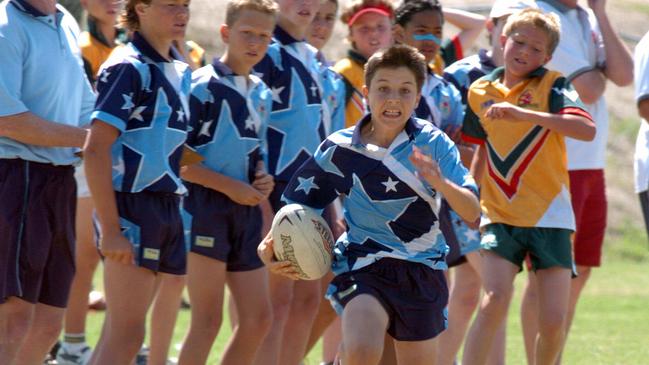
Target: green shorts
<point>547,247</point>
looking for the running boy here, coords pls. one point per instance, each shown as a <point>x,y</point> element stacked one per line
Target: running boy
<point>520,115</point>
<point>229,116</point>
<point>132,165</point>
<point>392,169</point>
<point>296,128</point>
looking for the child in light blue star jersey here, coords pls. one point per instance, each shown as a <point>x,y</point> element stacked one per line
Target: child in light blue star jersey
<point>132,166</point>
<point>229,116</point>
<point>296,128</point>
<point>392,169</point>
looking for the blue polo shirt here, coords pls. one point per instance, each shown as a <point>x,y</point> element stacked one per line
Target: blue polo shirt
<point>389,210</point>
<point>229,117</point>
<point>296,127</point>
<point>440,103</point>
<point>41,71</point>
<point>467,70</point>
<point>146,97</point>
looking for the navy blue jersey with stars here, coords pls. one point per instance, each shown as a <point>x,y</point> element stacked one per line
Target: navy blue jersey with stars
<point>229,117</point>
<point>465,71</point>
<point>296,125</point>
<point>389,210</point>
<point>145,97</point>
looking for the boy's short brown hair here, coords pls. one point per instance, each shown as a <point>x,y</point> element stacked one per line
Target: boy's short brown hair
<point>128,19</point>
<point>547,22</point>
<point>397,56</point>
<point>355,6</point>
<point>235,7</point>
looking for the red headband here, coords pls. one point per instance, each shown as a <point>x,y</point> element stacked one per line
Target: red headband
<point>371,9</point>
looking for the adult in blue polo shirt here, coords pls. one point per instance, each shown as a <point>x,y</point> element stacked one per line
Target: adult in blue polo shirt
<point>44,98</point>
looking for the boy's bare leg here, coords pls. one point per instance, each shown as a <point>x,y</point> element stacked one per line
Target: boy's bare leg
<point>530,316</point>
<point>129,292</point>
<point>324,316</point>
<point>163,317</point>
<point>554,295</point>
<point>206,297</point>
<point>331,340</point>
<point>304,306</point>
<point>281,295</point>
<point>43,332</point>
<point>577,284</point>
<point>249,290</point>
<point>364,324</point>
<point>498,276</point>
<point>416,352</point>
<point>15,318</point>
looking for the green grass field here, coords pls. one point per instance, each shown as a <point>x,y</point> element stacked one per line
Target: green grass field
<point>612,324</point>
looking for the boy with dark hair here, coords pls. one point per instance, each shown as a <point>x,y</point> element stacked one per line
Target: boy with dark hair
<point>392,169</point>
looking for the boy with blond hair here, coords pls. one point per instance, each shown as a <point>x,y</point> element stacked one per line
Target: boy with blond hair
<point>229,116</point>
<point>520,115</point>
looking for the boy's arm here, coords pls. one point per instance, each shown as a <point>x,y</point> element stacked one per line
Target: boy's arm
<point>239,191</point>
<point>478,163</point>
<point>590,85</point>
<point>619,64</point>
<point>98,166</point>
<point>570,125</point>
<point>461,199</point>
<point>470,25</point>
<point>30,129</point>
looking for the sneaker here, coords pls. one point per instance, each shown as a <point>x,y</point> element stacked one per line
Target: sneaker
<point>142,356</point>
<point>66,357</point>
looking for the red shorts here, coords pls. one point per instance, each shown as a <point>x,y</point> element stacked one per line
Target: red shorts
<point>588,191</point>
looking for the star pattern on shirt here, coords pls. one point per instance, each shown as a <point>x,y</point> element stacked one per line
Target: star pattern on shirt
<point>104,76</point>
<point>390,185</point>
<point>205,128</point>
<point>306,184</point>
<point>137,113</point>
<point>154,165</point>
<point>277,91</point>
<point>128,101</point>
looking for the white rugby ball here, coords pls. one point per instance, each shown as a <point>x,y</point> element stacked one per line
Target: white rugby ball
<point>301,236</point>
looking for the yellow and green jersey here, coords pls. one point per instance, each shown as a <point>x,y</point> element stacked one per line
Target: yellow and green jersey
<point>525,183</point>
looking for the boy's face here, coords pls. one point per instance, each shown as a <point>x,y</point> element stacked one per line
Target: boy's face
<point>322,25</point>
<point>104,11</point>
<point>424,32</point>
<point>525,50</point>
<point>298,12</point>
<point>167,19</point>
<point>370,33</point>
<point>248,37</point>
<point>392,96</point>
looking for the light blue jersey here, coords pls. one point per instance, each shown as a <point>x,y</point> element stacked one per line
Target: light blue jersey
<point>145,97</point>
<point>333,89</point>
<point>229,117</point>
<point>296,126</point>
<point>41,72</point>
<point>389,211</point>
<point>440,103</point>
<point>465,71</point>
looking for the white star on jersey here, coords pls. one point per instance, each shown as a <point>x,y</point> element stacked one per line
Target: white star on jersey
<point>128,101</point>
<point>390,185</point>
<point>205,128</point>
<point>104,76</point>
<point>181,115</point>
<point>137,113</point>
<point>306,184</point>
<point>276,94</point>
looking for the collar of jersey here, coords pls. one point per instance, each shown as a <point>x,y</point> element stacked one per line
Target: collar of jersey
<point>221,68</point>
<point>93,29</point>
<point>283,37</point>
<point>356,57</point>
<point>495,74</point>
<point>145,48</point>
<point>26,7</point>
<point>412,126</point>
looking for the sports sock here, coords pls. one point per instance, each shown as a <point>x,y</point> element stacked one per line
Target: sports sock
<point>74,341</point>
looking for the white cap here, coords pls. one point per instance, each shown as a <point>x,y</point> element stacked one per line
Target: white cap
<point>508,7</point>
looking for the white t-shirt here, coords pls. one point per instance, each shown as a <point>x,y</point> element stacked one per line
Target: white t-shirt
<point>581,49</point>
<point>641,72</point>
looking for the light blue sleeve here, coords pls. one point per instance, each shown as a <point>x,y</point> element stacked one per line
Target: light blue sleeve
<point>448,158</point>
<point>267,102</point>
<point>338,115</point>
<point>10,78</point>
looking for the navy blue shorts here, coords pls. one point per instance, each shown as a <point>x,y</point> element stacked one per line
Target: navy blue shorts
<point>414,296</point>
<point>222,229</point>
<point>37,215</point>
<point>152,223</point>
<point>275,197</point>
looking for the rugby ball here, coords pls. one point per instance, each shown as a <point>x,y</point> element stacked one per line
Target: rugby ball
<point>301,236</point>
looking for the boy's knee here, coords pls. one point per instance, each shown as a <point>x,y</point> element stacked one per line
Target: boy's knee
<point>361,352</point>
<point>46,330</point>
<point>14,328</point>
<point>281,307</point>
<point>258,322</point>
<point>209,324</point>
<point>552,324</point>
<point>306,303</point>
